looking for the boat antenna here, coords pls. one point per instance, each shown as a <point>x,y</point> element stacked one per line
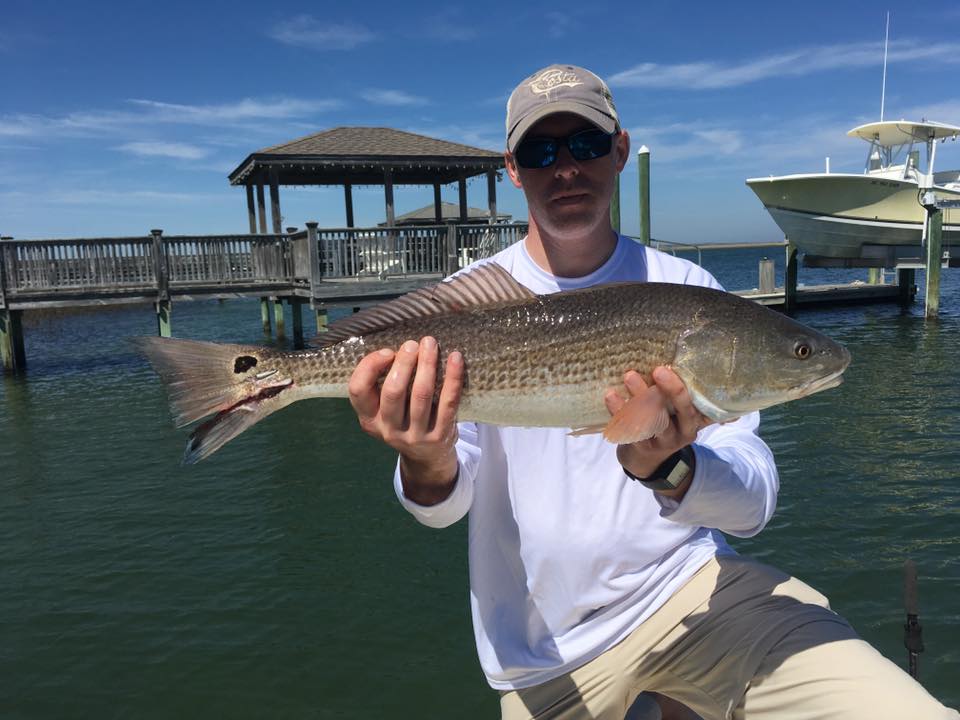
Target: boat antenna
<point>883,88</point>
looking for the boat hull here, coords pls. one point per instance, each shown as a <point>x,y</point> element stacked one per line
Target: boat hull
<point>851,216</point>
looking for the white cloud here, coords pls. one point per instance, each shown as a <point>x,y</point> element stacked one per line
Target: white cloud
<point>447,25</point>
<point>306,31</point>
<point>392,97</point>
<point>181,151</point>
<point>243,112</point>
<point>709,75</point>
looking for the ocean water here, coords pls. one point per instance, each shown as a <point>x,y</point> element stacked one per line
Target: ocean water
<point>281,579</point>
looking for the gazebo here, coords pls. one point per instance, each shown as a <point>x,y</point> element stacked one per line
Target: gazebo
<point>351,156</point>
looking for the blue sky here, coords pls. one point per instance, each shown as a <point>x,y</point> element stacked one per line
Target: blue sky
<point>122,116</point>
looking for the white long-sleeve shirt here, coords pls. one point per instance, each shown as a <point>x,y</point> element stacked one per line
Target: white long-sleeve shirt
<point>567,554</point>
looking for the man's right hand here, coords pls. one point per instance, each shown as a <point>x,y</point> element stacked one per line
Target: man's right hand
<point>402,414</point>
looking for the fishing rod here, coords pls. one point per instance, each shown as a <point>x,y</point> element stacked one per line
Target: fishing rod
<point>912,632</point>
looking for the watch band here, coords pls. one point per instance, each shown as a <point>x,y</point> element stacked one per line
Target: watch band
<point>671,473</point>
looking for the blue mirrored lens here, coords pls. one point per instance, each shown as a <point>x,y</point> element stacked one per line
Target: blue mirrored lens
<point>536,153</point>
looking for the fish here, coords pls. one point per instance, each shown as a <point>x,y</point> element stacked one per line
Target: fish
<point>529,360</point>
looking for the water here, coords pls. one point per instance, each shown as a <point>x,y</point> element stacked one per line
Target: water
<point>281,579</point>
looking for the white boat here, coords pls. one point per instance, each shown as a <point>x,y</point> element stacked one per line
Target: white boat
<point>875,214</point>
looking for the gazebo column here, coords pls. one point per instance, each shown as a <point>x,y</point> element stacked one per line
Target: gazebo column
<point>437,204</point>
<point>348,202</point>
<point>275,202</point>
<point>492,194</point>
<point>462,192</point>
<point>251,210</point>
<point>261,209</point>
<point>388,195</point>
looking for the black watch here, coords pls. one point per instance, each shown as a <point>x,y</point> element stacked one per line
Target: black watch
<point>671,473</point>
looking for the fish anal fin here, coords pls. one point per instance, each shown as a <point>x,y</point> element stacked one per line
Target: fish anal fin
<point>640,418</point>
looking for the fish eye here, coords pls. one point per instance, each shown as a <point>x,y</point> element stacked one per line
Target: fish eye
<point>802,350</point>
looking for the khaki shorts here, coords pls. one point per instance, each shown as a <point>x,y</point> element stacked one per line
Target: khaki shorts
<point>740,640</point>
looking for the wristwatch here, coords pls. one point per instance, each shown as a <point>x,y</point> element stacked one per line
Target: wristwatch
<point>671,473</point>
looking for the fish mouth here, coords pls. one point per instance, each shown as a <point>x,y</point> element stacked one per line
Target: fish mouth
<point>814,386</point>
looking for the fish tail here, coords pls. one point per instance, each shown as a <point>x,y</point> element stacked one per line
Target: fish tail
<point>238,384</point>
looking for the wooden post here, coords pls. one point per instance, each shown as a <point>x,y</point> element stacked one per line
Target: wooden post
<point>931,298</point>
<point>906,281</point>
<point>462,197</point>
<point>265,316</point>
<point>313,253</point>
<point>874,276</point>
<point>12,350</point>
<point>251,210</point>
<point>278,317</point>
<point>348,203</point>
<point>437,204</point>
<point>388,196</point>
<point>162,273</point>
<point>296,305</point>
<point>615,204</point>
<point>452,264</point>
<point>767,282</point>
<point>275,202</point>
<point>643,165</point>
<point>790,280</point>
<point>262,209</point>
<point>3,274</point>
<point>492,194</point>
<point>321,319</point>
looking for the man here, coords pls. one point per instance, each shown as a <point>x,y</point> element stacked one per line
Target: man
<point>599,572</point>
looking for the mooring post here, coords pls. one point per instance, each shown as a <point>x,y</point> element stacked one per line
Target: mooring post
<point>162,273</point>
<point>265,316</point>
<point>931,297</point>
<point>615,204</point>
<point>295,310</point>
<point>767,281</point>
<point>321,319</point>
<point>790,279</point>
<point>278,317</point>
<point>912,632</point>
<point>12,349</point>
<point>643,164</point>
<point>874,276</point>
<point>906,285</point>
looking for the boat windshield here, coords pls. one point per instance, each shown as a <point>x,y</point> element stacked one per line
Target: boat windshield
<point>893,160</point>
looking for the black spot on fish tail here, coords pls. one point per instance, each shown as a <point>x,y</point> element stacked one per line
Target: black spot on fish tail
<point>244,363</point>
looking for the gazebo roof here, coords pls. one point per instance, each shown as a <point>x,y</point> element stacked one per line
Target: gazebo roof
<point>360,155</point>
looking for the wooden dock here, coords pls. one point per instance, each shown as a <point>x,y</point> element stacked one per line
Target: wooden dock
<point>320,268</point>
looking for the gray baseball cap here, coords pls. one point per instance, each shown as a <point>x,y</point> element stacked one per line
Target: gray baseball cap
<point>555,89</point>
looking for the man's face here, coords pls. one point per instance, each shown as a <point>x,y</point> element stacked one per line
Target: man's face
<point>569,198</point>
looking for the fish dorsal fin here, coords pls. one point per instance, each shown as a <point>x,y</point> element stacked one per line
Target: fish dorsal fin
<point>484,286</point>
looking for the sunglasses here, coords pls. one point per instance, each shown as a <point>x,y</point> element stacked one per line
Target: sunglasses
<point>536,153</point>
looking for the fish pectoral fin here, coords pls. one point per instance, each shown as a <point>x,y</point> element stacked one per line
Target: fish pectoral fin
<point>587,430</point>
<point>642,417</point>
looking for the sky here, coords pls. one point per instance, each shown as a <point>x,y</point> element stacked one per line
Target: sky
<point>118,117</point>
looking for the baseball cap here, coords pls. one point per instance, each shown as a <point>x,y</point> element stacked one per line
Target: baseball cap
<point>559,88</point>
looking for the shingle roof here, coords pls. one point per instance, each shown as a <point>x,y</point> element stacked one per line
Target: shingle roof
<point>448,211</point>
<point>361,156</point>
<point>375,142</point>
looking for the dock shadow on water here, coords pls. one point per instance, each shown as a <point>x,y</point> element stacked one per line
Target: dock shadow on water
<point>280,576</point>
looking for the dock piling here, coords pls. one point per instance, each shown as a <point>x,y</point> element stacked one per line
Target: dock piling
<point>790,279</point>
<point>643,164</point>
<point>265,316</point>
<point>615,204</point>
<point>278,317</point>
<point>296,305</point>
<point>161,271</point>
<point>12,348</point>
<point>322,319</point>
<point>931,298</point>
<point>906,283</point>
<point>767,280</point>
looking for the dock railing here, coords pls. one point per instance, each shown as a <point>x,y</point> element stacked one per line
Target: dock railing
<point>157,265</point>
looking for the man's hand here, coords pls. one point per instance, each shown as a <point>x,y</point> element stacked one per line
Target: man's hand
<point>402,414</point>
<point>642,458</point>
